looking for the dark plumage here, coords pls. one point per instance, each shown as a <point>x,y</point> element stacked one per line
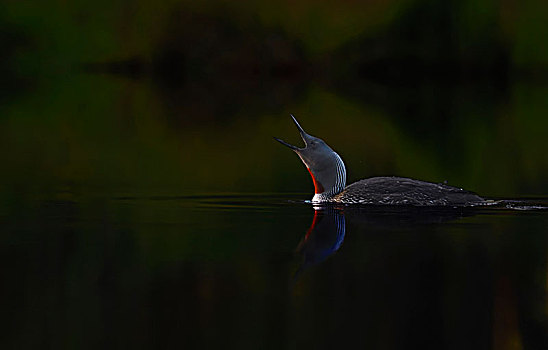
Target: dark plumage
<point>404,191</point>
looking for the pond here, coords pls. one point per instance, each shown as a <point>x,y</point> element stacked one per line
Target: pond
<point>268,271</point>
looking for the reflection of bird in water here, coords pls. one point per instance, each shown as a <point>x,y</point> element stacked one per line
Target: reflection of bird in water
<point>326,234</point>
<point>329,176</point>
<point>324,237</point>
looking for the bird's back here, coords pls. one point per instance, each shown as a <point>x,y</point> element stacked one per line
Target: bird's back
<point>405,191</point>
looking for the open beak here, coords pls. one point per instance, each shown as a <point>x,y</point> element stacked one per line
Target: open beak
<point>301,131</point>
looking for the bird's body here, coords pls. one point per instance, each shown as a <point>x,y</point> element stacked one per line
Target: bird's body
<point>329,176</point>
<point>404,191</point>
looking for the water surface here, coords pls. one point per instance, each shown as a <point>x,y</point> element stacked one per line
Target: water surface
<point>258,271</point>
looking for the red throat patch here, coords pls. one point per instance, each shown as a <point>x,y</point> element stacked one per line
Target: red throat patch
<point>318,188</point>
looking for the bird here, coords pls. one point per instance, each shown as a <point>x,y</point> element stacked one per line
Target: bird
<point>328,174</point>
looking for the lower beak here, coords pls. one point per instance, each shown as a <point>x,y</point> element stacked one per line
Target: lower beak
<point>286,144</point>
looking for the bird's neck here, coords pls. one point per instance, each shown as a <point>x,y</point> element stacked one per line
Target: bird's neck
<point>329,182</point>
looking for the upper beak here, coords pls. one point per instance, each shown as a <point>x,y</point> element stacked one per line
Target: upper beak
<point>301,131</point>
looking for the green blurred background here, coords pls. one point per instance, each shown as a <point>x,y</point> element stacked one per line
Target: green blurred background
<point>183,97</point>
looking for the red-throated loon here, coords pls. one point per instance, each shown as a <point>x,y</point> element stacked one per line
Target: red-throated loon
<point>329,176</point>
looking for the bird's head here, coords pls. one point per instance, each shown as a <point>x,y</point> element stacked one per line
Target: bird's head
<point>325,166</point>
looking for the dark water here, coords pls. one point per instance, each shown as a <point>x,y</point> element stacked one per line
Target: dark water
<point>261,271</point>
